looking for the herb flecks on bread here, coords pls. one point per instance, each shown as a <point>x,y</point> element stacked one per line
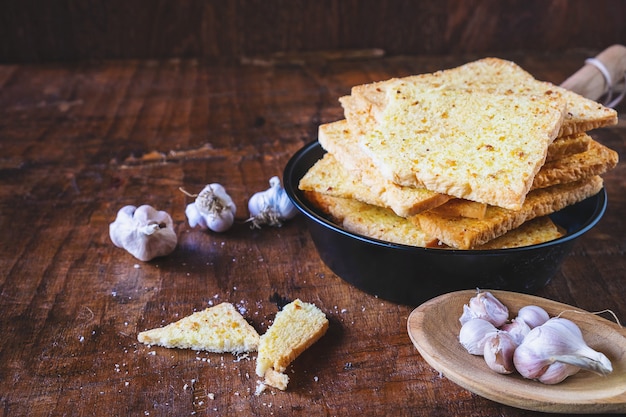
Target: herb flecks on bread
<point>218,329</point>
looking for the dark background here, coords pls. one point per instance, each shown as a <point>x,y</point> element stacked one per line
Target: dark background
<point>33,31</point>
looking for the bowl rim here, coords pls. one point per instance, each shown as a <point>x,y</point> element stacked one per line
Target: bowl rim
<point>295,195</point>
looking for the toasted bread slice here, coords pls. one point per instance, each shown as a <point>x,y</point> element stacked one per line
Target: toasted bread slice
<point>368,220</point>
<point>490,74</point>
<point>466,233</point>
<point>338,140</point>
<point>472,145</point>
<point>376,223</point>
<point>296,327</point>
<point>219,329</point>
<point>596,160</point>
<point>462,208</point>
<point>535,231</point>
<point>330,177</point>
<point>568,145</point>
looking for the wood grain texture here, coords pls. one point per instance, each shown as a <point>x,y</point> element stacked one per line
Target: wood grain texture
<point>70,30</point>
<point>79,141</point>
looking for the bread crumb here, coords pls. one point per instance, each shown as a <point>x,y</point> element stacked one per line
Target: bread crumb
<point>260,388</point>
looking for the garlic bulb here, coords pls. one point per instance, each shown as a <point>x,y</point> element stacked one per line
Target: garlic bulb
<point>498,352</point>
<point>474,333</point>
<point>487,307</point>
<point>546,350</point>
<point>144,232</point>
<point>533,316</point>
<point>213,209</point>
<point>271,207</point>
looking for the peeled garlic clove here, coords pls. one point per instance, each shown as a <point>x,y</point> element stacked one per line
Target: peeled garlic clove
<point>473,335</point>
<point>517,329</point>
<point>486,306</point>
<point>144,232</point>
<point>557,340</point>
<point>533,315</point>
<point>498,352</point>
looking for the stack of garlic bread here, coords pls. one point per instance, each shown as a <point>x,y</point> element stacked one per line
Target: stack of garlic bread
<point>459,158</point>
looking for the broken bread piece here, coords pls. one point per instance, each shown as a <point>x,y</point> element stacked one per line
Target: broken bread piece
<point>218,329</point>
<point>296,327</point>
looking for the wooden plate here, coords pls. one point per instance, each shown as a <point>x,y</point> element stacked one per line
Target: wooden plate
<point>434,327</point>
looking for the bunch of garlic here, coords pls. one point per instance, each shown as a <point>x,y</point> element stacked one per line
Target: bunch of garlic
<point>212,209</point>
<point>144,232</point>
<point>533,344</point>
<point>271,207</point>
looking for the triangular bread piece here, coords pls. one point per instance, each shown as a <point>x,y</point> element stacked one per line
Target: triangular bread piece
<point>296,327</point>
<point>219,329</point>
<point>466,233</point>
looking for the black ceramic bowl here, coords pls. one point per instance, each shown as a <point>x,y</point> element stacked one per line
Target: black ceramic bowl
<point>411,275</point>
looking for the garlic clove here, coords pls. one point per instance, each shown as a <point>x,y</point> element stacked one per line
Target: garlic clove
<point>486,306</point>
<point>533,315</point>
<point>517,329</point>
<point>498,352</point>
<point>144,232</point>
<point>557,341</point>
<point>557,372</point>
<point>473,335</point>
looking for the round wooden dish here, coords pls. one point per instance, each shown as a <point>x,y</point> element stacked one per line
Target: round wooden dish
<point>434,327</point>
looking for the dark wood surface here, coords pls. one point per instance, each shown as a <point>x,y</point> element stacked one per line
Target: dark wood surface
<point>71,30</point>
<point>79,141</point>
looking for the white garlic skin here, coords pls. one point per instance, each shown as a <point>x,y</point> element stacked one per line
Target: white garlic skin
<point>557,372</point>
<point>558,342</point>
<point>498,352</point>
<point>213,209</point>
<point>473,335</point>
<point>486,306</point>
<point>144,232</point>
<point>517,329</point>
<point>533,316</point>
<point>272,206</point>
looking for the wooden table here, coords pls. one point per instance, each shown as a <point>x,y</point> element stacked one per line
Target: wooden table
<point>79,141</point>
